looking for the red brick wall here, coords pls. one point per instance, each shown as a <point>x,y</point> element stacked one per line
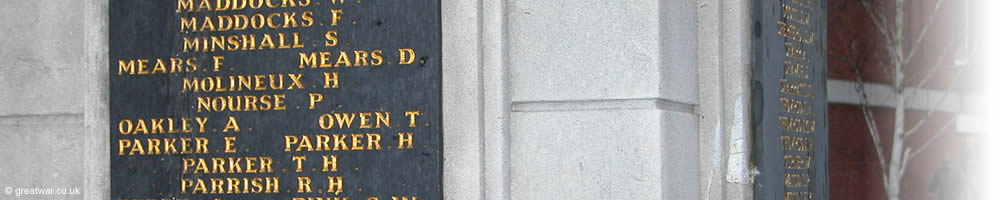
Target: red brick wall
<point>854,168</point>
<point>853,40</point>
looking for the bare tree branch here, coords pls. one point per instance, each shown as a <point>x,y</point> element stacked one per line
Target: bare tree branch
<point>937,105</point>
<point>923,31</point>
<point>882,61</point>
<point>894,165</point>
<point>878,19</point>
<point>895,50</point>
<point>891,37</point>
<point>934,138</point>
<point>876,140</point>
<point>906,162</point>
<point>866,111</point>
<point>908,155</point>
<point>937,66</point>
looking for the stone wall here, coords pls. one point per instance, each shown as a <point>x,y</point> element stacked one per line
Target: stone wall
<point>41,109</point>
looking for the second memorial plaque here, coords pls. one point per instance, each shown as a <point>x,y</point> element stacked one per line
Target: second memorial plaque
<point>789,114</point>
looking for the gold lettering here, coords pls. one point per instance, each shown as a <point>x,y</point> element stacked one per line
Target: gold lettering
<point>798,195</point>
<point>140,66</point>
<point>305,144</point>
<point>230,144</point>
<point>244,42</point>
<point>313,99</point>
<point>793,143</point>
<point>405,141</point>
<point>232,125</point>
<point>305,185</point>
<point>794,14</point>
<point>795,33</point>
<point>329,163</point>
<point>373,141</point>
<point>798,162</point>
<point>298,162</point>
<point>345,119</point>
<point>335,16</point>
<point>797,180</point>
<point>217,62</point>
<point>796,51</point>
<point>331,39</point>
<point>365,119</point>
<point>798,70</point>
<point>336,185</point>
<point>795,124</point>
<point>406,56</point>
<point>413,117</point>
<point>230,185</point>
<point>249,102</point>
<point>797,88</point>
<point>331,79</point>
<point>201,123</point>
<point>162,146</point>
<point>185,5</point>
<point>343,60</point>
<point>358,141</point>
<point>808,4</point>
<point>795,106</point>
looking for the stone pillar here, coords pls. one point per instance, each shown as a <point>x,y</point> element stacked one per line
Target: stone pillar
<point>97,165</point>
<point>602,97</point>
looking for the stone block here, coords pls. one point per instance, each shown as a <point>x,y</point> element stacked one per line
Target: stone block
<point>604,154</point>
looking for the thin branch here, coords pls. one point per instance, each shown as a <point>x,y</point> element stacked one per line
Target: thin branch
<point>898,43</point>
<point>961,72</point>
<point>923,120</point>
<point>934,138</point>
<point>867,113</point>
<point>839,57</point>
<point>937,66</point>
<point>923,31</point>
<point>937,106</point>
<point>882,25</point>
<point>878,19</point>
<point>906,162</point>
<point>882,62</point>
<point>873,133</point>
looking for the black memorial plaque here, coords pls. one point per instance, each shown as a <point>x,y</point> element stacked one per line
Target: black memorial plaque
<point>789,99</point>
<point>275,99</point>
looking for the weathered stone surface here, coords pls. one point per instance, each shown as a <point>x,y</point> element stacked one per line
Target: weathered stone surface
<point>42,49</point>
<point>603,154</point>
<point>41,117</point>
<point>583,50</point>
